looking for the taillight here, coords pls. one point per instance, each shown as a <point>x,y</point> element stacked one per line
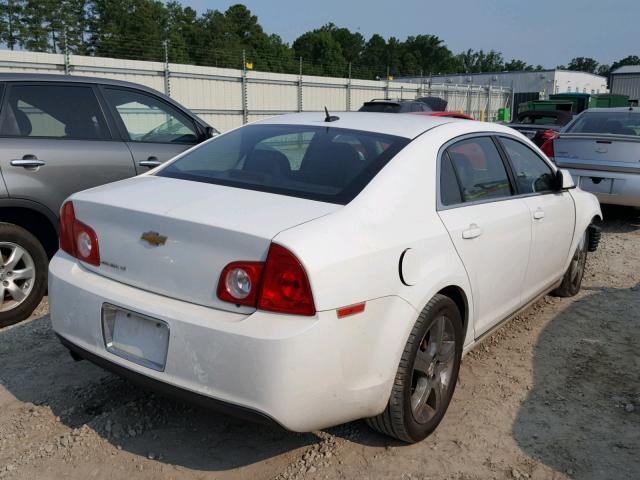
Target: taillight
<point>77,238</point>
<point>547,148</point>
<point>285,287</point>
<point>239,283</point>
<point>549,134</point>
<point>278,285</point>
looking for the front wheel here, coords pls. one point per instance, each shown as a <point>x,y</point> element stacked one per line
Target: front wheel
<point>23,273</point>
<point>427,374</point>
<point>572,280</point>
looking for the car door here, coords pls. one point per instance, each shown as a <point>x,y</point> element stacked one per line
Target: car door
<point>490,227</point>
<point>57,141</point>
<point>155,130</point>
<point>552,214</point>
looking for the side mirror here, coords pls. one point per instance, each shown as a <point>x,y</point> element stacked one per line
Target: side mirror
<point>210,132</point>
<point>563,180</point>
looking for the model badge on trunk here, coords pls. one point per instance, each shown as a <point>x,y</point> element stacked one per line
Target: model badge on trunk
<point>153,238</point>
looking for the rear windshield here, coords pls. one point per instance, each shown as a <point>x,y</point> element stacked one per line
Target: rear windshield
<point>319,163</point>
<point>615,123</point>
<point>381,107</point>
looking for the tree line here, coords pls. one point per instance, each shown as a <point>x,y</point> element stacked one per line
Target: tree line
<point>159,31</point>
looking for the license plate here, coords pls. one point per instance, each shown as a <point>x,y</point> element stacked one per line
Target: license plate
<point>135,337</point>
<point>596,184</point>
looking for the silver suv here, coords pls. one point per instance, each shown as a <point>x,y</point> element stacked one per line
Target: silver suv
<point>61,134</point>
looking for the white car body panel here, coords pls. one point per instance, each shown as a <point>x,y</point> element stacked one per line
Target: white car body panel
<point>311,372</point>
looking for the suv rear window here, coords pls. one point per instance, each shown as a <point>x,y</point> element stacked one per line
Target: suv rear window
<point>381,107</point>
<point>319,163</point>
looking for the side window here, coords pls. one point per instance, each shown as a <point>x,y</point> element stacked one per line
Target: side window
<point>479,169</point>
<point>531,172</point>
<point>148,119</point>
<point>58,111</point>
<point>415,107</point>
<point>449,187</point>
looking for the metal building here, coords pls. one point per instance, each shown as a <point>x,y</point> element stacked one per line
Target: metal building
<point>626,81</point>
<point>525,85</point>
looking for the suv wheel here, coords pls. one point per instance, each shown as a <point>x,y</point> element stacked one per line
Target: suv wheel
<point>427,374</point>
<point>23,273</point>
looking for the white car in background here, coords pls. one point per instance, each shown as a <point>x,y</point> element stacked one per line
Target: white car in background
<point>315,271</point>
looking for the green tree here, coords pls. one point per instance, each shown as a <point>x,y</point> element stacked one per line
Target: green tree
<point>10,15</point>
<point>583,64</point>
<point>322,50</point>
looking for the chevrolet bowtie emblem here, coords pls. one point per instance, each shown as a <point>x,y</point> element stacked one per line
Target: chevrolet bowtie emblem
<point>153,238</point>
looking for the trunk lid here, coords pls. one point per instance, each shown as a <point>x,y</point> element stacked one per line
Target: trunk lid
<point>205,228</point>
<point>610,153</point>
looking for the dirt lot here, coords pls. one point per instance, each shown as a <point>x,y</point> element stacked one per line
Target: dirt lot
<point>554,394</point>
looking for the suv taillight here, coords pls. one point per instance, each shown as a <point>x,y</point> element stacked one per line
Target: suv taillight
<point>547,148</point>
<point>77,238</point>
<point>278,285</point>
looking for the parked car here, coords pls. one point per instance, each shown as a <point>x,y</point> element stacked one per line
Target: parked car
<point>60,134</point>
<point>601,148</point>
<point>380,105</point>
<point>541,125</point>
<point>315,272</point>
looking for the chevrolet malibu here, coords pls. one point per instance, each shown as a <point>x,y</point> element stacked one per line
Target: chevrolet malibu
<point>313,270</point>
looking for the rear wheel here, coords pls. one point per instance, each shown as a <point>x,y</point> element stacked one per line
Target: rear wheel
<point>427,374</point>
<point>572,280</point>
<point>23,273</point>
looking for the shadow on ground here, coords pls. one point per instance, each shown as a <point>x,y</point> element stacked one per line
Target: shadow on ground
<point>587,357</point>
<point>620,219</point>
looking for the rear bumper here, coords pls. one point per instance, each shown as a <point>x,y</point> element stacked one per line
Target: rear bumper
<point>305,373</point>
<point>613,188</point>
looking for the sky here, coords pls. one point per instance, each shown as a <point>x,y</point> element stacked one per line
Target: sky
<point>545,32</point>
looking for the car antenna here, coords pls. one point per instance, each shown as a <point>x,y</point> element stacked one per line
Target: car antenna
<point>329,118</point>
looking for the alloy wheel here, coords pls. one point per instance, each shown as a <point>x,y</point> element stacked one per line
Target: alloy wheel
<point>433,370</point>
<point>17,275</point>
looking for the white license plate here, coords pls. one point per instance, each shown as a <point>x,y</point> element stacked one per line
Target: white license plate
<point>135,337</point>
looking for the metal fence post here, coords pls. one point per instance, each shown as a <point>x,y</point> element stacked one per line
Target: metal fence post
<point>489,103</point>
<point>349,90</point>
<point>386,95</point>
<point>300,105</point>
<point>167,73</point>
<point>67,66</point>
<point>469,106</point>
<point>245,109</point>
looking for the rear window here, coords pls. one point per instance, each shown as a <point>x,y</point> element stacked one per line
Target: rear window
<point>381,107</point>
<point>613,123</point>
<point>319,163</point>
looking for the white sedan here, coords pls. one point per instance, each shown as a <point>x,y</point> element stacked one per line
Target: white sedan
<point>312,271</point>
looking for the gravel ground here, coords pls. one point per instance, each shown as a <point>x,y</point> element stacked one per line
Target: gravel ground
<point>554,394</point>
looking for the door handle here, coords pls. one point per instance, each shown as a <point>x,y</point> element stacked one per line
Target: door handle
<point>538,214</point>
<point>28,161</point>
<point>150,162</point>
<point>473,231</point>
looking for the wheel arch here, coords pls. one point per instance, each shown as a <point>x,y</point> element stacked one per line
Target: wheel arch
<point>459,297</point>
<point>33,217</point>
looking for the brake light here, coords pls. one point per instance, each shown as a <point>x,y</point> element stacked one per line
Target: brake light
<point>285,286</point>
<point>548,134</point>
<point>76,238</point>
<point>278,285</point>
<point>547,148</point>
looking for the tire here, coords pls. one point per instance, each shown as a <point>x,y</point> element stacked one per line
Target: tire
<point>572,280</point>
<point>23,273</point>
<point>418,402</point>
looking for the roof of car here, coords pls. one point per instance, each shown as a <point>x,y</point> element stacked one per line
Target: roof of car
<point>48,77</point>
<point>408,126</point>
